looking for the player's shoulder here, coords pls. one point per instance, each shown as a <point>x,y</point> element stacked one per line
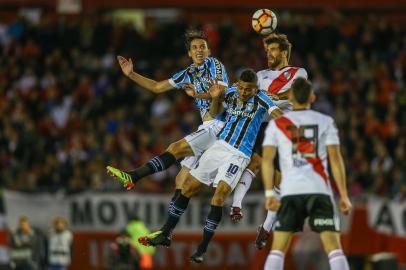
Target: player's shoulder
<point>262,95</point>
<point>261,73</point>
<point>310,115</point>
<point>213,60</point>
<point>300,72</point>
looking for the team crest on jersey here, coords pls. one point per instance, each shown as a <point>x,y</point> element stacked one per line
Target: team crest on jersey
<point>287,75</point>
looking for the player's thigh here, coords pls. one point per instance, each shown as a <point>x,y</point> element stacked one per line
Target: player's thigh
<point>203,138</point>
<point>281,241</point>
<point>232,167</point>
<point>209,163</point>
<point>191,186</point>
<point>291,214</point>
<point>323,215</point>
<point>221,193</point>
<point>331,240</point>
<point>181,177</point>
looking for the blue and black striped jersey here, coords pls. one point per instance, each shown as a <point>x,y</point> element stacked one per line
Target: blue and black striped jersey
<point>212,69</point>
<point>243,119</point>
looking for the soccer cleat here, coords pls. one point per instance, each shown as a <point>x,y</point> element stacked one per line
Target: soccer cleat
<point>262,237</point>
<point>235,214</point>
<point>124,178</point>
<point>197,257</point>
<point>155,239</point>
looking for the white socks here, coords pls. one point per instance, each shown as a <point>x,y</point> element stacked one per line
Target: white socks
<point>275,260</point>
<point>337,260</point>
<point>242,187</point>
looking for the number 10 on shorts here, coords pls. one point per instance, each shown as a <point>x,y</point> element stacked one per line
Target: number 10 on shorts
<point>232,169</point>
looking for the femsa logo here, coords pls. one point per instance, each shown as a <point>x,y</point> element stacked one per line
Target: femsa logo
<point>324,222</point>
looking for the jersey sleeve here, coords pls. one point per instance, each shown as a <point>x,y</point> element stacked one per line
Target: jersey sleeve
<point>332,133</point>
<point>179,78</point>
<point>267,103</point>
<point>218,72</point>
<point>270,134</point>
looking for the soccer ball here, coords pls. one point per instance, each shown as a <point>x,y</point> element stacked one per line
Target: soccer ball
<point>264,21</point>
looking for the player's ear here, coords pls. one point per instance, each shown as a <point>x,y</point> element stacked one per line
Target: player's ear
<point>290,95</point>
<point>313,98</point>
<point>189,53</point>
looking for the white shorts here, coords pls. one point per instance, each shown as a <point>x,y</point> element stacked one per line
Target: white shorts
<point>220,162</point>
<point>201,140</point>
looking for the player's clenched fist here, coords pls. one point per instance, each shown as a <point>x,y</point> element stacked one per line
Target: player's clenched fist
<point>126,65</point>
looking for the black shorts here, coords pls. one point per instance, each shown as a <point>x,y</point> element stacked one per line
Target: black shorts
<point>296,208</point>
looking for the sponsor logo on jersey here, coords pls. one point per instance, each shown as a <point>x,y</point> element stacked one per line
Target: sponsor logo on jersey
<point>240,113</point>
<point>323,222</point>
<point>219,71</point>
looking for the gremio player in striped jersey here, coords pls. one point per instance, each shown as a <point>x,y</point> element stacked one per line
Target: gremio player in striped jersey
<point>225,161</point>
<point>196,81</point>
<point>200,73</point>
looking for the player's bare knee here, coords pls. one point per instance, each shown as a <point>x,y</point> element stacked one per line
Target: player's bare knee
<point>175,148</point>
<point>190,186</point>
<point>218,199</point>
<point>255,163</point>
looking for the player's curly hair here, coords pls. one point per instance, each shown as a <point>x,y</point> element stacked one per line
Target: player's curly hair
<point>282,40</point>
<point>194,34</point>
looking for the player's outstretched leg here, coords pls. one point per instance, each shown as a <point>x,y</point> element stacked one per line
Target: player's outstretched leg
<point>243,186</point>
<point>175,211</point>
<point>212,221</point>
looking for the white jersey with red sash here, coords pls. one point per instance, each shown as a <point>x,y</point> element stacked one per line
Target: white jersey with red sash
<point>280,81</point>
<point>301,138</point>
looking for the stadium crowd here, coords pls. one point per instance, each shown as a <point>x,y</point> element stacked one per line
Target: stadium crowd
<point>67,111</point>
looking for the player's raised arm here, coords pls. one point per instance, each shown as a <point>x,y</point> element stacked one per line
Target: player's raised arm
<point>338,170</point>
<point>151,85</point>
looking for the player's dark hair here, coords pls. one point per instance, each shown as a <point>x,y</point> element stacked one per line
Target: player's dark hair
<point>282,40</point>
<point>190,35</point>
<point>301,89</point>
<point>249,75</point>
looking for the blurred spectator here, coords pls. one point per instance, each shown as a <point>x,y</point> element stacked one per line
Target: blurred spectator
<point>25,247</point>
<point>123,255</point>
<point>59,246</point>
<point>136,228</point>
